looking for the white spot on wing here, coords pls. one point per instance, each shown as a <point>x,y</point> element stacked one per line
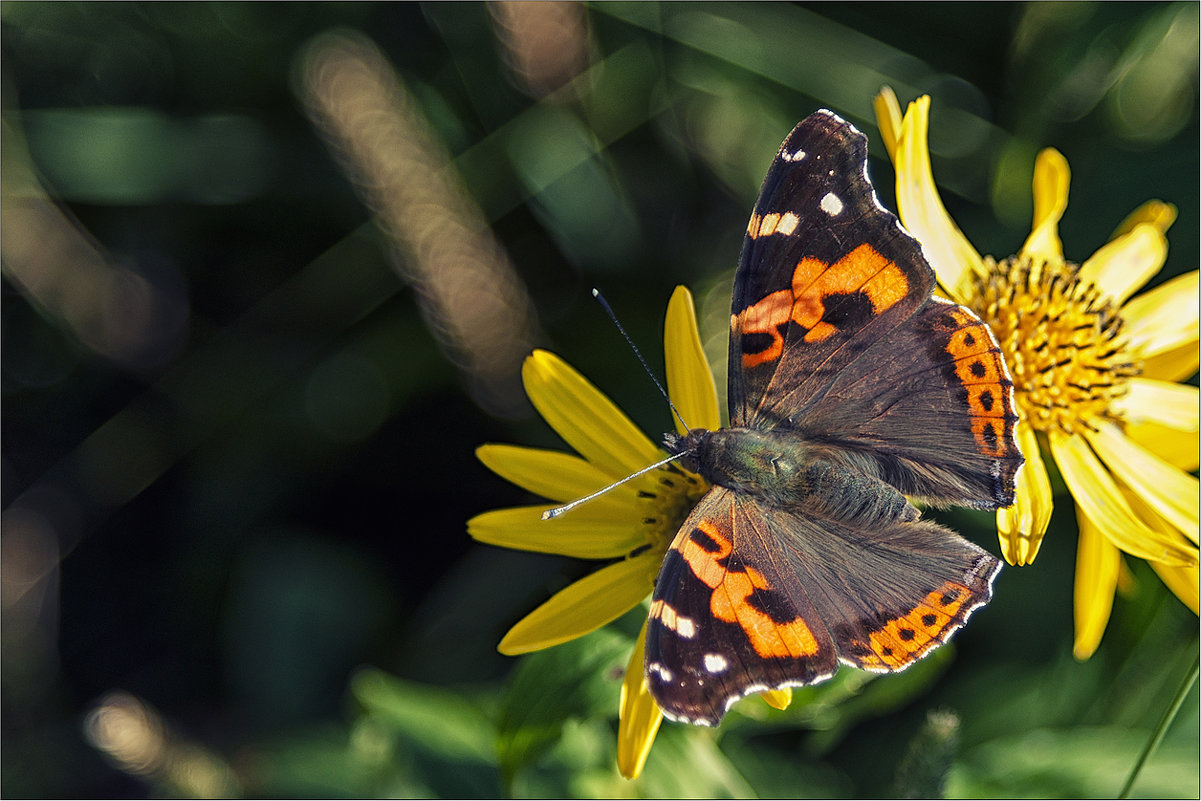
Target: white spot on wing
<point>715,663</point>
<point>768,224</point>
<point>797,155</point>
<point>656,667</point>
<point>774,223</point>
<point>831,204</point>
<point>667,615</point>
<point>788,223</point>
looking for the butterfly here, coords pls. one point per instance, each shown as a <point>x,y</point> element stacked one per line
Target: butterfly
<point>852,388</point>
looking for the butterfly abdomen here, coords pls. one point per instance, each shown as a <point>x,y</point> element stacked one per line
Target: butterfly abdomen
<point>785,471</point>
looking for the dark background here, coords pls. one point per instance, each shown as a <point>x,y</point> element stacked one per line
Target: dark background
<point>268,488</point>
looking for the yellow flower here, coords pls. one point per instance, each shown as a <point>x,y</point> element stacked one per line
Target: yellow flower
<point>1095,373</point>
<point>632,524</point>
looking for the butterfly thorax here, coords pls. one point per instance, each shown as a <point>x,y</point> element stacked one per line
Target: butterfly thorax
<point>782,469</point>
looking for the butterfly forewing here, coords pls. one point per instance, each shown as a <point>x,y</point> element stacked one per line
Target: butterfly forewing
<point>724,620</point>
<point>835,333</point>
<point>812,291</point>
<point>754,597</point>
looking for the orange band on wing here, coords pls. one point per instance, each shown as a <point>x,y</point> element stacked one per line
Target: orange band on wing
<point>730,601</point>
<point>765,317</point>
<point>862,270</point>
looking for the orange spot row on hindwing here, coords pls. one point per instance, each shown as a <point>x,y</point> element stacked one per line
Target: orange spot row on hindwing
<point>905,639</point>
<point>979,368</point>
<point>813,281</point>
<point>730,600</point>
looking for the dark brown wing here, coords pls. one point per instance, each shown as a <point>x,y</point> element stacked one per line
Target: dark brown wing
<point>725,621</point>
<point>825,272</point>
<point>752,597</point>
<point>929,409</point>
<point>835,334</point>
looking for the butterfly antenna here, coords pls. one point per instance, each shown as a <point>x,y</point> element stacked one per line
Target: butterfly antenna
<point>596,293</point>
<point>550,513</point>
<point>553,513</point>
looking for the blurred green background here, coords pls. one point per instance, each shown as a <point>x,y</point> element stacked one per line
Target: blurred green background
<point>239,414</point>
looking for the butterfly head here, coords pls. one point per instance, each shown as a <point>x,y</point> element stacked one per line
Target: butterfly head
<point>691,448</point>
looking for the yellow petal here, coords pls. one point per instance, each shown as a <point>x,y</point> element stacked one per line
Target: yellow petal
<point>777,699</point>
<point>1051,179</point>
<point>1099,497</point>
<point>1170,444</point>
<point>1169,491</point>
<point>1163,402</point>
<point>1127,583</point>
<point>640,716</point>
<point>584,606</point>
<point>689,379</point>
<point>888,120</point>
<point>921,210</point>
<point>584,417</point>
<point>1021,527</point>
<point>551,474</point>
<point>1182,581</point>
<point>1097,566</point>
<point>1122,266</point>
<point>1176,364</point>
<point>587,532</point>
<point>1153,212</point>
<point>1165,317</point>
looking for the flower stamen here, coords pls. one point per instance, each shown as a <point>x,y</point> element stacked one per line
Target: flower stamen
<point>667,505</point>
<point>1064,340</point>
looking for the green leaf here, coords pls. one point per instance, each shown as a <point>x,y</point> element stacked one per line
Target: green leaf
<point>880,695</point>
<point>310,764</point>
<point>1073,763</point>
<point>687,763</point>
<point>443,722</point>
<point>444,738</point>
<point>576,680</point>
<point>580,763</point>
<point>774,768</point>
<point>922,772</point>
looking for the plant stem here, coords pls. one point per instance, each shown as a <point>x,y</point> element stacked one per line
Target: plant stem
<point>1162,729</point>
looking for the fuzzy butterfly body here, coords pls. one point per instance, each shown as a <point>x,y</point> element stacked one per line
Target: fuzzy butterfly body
<point>851,389</point>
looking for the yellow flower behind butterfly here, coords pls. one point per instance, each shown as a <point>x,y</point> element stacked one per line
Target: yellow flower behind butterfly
<point>631,526</point>
<point>1095,371</point>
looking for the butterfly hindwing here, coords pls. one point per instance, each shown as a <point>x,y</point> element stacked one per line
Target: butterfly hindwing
<point>932,407</point>
<point>887,595</point>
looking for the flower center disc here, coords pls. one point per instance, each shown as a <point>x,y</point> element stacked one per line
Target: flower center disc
<point>1062,339</point>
